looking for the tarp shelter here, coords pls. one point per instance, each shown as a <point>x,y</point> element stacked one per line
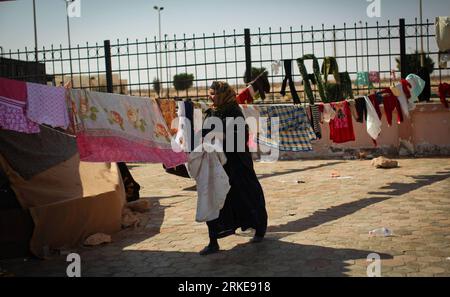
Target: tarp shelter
<point>68,200</point>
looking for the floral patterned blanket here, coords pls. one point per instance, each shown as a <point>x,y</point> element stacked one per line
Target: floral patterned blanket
<point>120,128</point>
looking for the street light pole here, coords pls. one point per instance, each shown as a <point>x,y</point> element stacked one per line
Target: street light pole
<point>422,56</point>
<point>159,9</point>
<point>35,32</point>
<point>68,37</point>
<point>169,71</point>
<point>362,46</point>
<point>68,21</point>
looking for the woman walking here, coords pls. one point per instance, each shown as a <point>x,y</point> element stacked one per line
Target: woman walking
<point>245,204</point>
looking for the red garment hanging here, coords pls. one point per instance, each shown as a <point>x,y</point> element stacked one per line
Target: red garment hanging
<point>341,127</point>
<point>13,89</point>
<point>244,97</point>
<point>391,103</point>
<point>444,91</point>
<point>406,88</point>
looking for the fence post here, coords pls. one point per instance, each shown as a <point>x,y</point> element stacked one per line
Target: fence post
<point>248,56</point>
<point>403,48</point>
<point>108,67</point>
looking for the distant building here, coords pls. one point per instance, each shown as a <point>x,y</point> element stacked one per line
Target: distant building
<point>94,82</point>
<point>24,70</point>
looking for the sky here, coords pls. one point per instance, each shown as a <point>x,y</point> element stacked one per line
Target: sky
<point>136,19</point>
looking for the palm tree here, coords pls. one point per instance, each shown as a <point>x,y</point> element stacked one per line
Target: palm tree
<point>157,86</point>
<point>183,81</point>
<point>413,63</point>
<point>255,73</point>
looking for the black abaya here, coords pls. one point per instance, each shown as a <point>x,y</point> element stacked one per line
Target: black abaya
<point>245,203</point>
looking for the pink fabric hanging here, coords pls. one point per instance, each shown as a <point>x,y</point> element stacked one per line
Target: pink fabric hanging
<point>12,117</point>
<point>47,105</point>
<point>13,89</point>
<point>118,128</point>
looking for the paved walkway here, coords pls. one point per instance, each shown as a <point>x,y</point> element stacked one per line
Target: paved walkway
<point>318,226</point>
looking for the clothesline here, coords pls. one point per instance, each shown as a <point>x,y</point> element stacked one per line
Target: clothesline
<point>109,127</point>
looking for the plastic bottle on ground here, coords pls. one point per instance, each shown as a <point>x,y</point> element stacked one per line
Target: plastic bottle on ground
<point>381,232</point>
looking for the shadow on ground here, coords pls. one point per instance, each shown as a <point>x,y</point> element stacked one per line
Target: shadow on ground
<point>270,258</point>
<point>398,189</point>
<point>273,257</point>
<point>290,171</point>
<point>336,212</point>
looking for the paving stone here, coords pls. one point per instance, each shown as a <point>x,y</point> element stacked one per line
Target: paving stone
<point>433,270</point>
<point>315,229</point>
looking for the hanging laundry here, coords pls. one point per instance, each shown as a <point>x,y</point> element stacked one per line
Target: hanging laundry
<point>399,90</point>
<point>276,65</point>
<point>374,77</point>
<point>183,137</point>
<point>407,91</point>
<point>346,85</point>
<point>393,76</point>
<point>199,112</point>
<point>213,184</point>
<point>168,109</point>
<point>118,128</point>
<point>342,89</point>
<point>261,85</point>
<point>47,105</point>
<point>361,110</point>
<point>288,79</point>
<point>406,86</point>
<point>251,114</point>
<point>391,103</point>
<point>395,91</point>
<point>315,120</point>
<point>417,86</point>
<point>444,91</point>
<point>373,120</point>
<point>246,96</point>
<point>362,79</point>
<point>341,127</point>
<point>328,112</point>
<point>332,91</point>
<point>13,89</point>
<point>443,33</point>
<point>442,40</point>
<point>12,117</point>
<point>330,66</point>
<point>307,78</point>
<point>444,57</point>
<point>352,105</point>
<point>376,100</point>
<point>295,132</point>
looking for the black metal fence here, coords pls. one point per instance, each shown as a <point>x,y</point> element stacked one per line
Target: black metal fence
<point>130,67</point>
